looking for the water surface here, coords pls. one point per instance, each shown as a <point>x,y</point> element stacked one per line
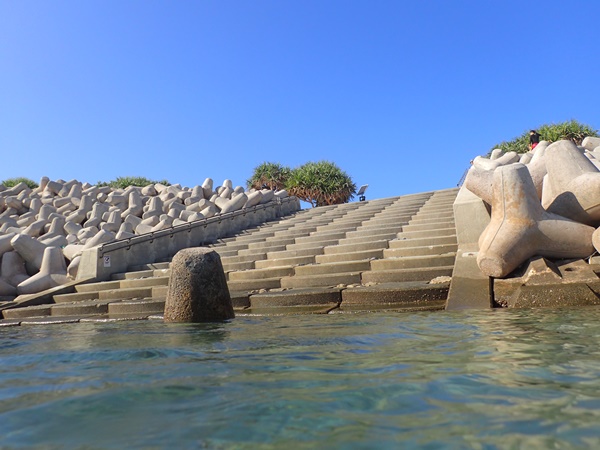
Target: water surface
<point>488,379</point>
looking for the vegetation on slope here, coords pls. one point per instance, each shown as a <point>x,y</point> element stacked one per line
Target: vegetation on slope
<point>269,175</point>
<point>570,130</point>
<point>11,182</point>
<point>124,182</point>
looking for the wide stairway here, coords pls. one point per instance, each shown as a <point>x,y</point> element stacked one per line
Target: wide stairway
<point>393,253</point>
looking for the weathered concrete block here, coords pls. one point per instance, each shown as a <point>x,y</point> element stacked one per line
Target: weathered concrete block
<point>590,143</point>
<point>53,272</point>
<point>520,228</point>
<point>576,183</point>
<point>30,250</point>
<point>198,289</point>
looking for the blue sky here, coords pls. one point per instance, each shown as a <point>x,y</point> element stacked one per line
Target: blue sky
<point>400,95</point>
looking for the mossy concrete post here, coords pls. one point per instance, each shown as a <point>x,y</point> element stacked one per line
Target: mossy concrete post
<point>198,289</point>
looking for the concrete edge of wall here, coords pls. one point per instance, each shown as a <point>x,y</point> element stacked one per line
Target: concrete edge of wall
<point>469,287</point>
<point>101,262</point>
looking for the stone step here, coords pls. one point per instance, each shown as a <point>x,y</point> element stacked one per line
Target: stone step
<point>297,297</point>
<point>387,231</point>
<point>272,248</point>
<point>418,221</point>
<point>240,239</point>
<point>243,258</point>
<point>129,275</point>
<point>331,268</point>
<point>423,242</point>
<point>293,253</point>
<point>224,252</point>
<point>360,240</point>
<point>401,275</point>
<point>293,232</point>
<point>142,306</point>
<point>355,247</point>
<point>411,262</point>
<point>427,226</point>
<point>434,215</point>
<point>156,265</point>
<point>423,250</point>
<point>160,291</point>
<point>75,297</point>
<point>323,243</point>
<point>230,246</point>
<point>320,280</point>
<point>282,262</point>
<point>81,308</point>
<point>99,286</point>
<point>325,234</point>
<point>350,256</point>
<point>144,282</point>
<point>254,285</point>
<point>428,209</point>
<point>125,293</point>
<point>259,274</point>
<point>406,293</point>
<point>378,228</point>
<point>427,233</point>
<point>338,227</point>
<point>316,238</point>
<point>269,244</point>
<point>232,267</point>
<point>391,221</point>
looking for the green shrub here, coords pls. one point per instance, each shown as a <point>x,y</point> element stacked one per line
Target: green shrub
<point>124,182</point>
<point>321,183</point>
<point>10,182</point>
<point>570,130</point>
<point>269,175</point>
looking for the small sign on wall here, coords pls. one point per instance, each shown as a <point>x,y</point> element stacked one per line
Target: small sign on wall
<point>106,260</point>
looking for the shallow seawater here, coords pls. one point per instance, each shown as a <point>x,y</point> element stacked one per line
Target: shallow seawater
<point>487,379</point>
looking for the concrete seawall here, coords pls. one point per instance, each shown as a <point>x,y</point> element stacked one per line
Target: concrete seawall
<point>407,253</point>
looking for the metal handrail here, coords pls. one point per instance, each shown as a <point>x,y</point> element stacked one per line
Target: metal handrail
<point>128,242</point>
<point>462,179</point>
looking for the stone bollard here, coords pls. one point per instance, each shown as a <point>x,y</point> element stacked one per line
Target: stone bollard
<point>520,228</point>
<point>198,289</point>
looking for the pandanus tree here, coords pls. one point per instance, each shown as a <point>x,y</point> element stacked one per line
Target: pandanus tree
<point>269,175</point>
<point>321,183</point>
<point>570,130</point>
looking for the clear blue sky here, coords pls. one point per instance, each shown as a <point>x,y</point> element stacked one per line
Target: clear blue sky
<point>401,95</point>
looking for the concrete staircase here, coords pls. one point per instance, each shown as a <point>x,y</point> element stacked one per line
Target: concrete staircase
<point>327,259</point>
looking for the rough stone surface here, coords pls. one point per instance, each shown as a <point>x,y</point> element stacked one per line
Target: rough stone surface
<point>520,228</point>
<point>198,289</point>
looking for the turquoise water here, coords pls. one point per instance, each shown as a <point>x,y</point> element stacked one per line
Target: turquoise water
<point>483,380</point>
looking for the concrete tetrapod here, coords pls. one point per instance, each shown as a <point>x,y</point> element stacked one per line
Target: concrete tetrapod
<point>479,181</point>
<point>575,181</point>
<point>520,228</point>
<point>198,289</point>
<point>52,273</point>
<point>489,164</point>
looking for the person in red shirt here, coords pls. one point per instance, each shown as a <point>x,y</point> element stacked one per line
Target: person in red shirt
<point>534,139</point>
